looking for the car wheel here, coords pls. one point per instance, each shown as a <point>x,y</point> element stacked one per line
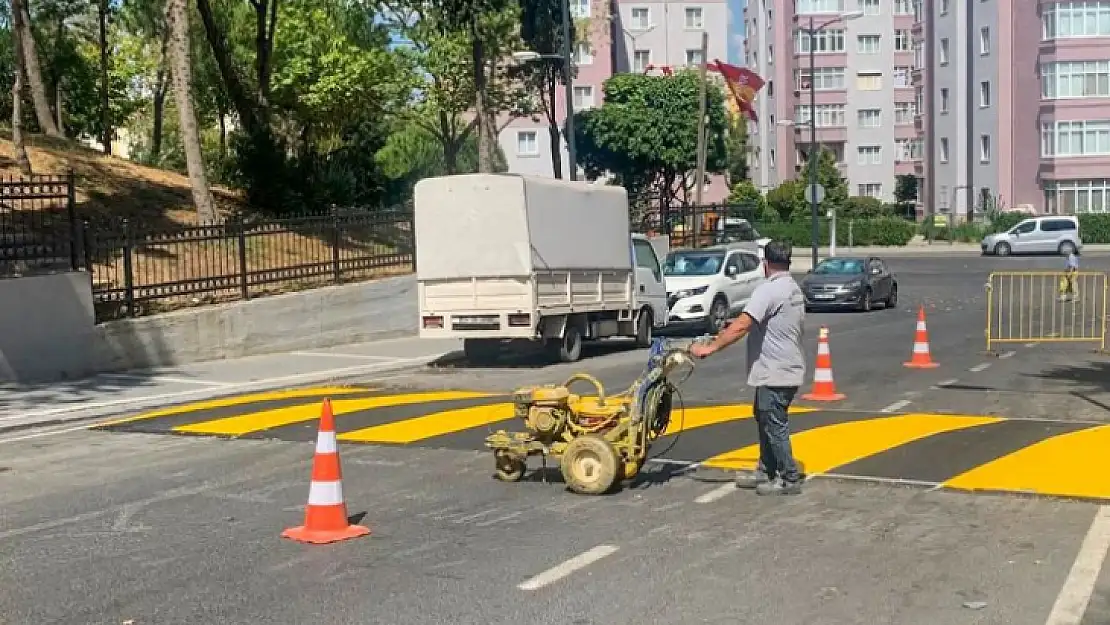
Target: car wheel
<point>1066,248</point>
<point>865,301</point>
<point>643,328</point>
<point>892,300</point>
<point>1002,249</point>
<point>718,315</point>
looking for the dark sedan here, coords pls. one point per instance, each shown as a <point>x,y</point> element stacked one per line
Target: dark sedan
<point>850,282</point>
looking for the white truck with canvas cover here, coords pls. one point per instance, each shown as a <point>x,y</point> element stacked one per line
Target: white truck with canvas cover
<point>504,259</point>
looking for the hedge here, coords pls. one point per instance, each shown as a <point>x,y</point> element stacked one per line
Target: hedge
<point>1093,229</point>
<point>883,231</point>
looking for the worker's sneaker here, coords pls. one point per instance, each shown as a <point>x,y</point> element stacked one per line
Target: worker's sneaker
<point>779,487</point>
<point>751,479</point>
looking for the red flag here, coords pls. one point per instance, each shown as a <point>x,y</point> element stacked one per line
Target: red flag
<point>742,82</point>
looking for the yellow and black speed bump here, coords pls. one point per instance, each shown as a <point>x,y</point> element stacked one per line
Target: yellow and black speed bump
<point>964,452</point>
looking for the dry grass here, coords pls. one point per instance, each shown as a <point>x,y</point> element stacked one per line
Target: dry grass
<point>159,201</point>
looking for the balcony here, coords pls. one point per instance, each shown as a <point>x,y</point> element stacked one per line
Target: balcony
<point>919,122</point>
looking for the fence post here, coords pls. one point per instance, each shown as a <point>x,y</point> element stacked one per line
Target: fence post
<point>335,245</point>
<point>71,211</point>
<point>244,276</point>
<point>128,270</point>
<point>86,249</point>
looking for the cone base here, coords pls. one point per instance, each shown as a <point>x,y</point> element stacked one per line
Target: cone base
<point>302,534</point>
<point>921,365</point>
<point>824,396</point>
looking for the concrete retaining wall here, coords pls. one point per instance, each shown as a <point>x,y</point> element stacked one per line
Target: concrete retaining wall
<point>48,330</point>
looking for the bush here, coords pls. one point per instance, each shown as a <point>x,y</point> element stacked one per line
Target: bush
<point>882,231</point>
<point>1094,229</point>
<point>862,208</point>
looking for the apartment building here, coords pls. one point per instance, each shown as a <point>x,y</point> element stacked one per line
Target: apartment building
<point>1017,106</point>
<point>865,103</point>
<point>623,36</point>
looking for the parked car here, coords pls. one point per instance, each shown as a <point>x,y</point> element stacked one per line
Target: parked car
<point>705,287</point>
<point>1038,235</point>
<point>850,282</point>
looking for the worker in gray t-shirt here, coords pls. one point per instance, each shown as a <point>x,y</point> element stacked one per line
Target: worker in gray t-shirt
<point>773,322</point>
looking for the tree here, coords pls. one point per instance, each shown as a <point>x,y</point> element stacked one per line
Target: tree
<point>828,176</point>
<point>542,32</point>
<point>747,195</point>
<point>17,108</point>
<point>21,21</point>
<point>905,193</point>
<point>177,22</point>
<point>737,141</point>
<point>105,88</point>
<point>786,199</point>
<point>645,134</point>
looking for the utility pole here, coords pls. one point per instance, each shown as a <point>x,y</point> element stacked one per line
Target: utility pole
<point>813,156</point>
<point>703,139</point>
<point>569,95</point>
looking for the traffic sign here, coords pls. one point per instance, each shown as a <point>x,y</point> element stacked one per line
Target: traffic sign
<point>815,193</point>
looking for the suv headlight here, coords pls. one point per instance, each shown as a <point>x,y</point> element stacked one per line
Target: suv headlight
<point>684,293</point>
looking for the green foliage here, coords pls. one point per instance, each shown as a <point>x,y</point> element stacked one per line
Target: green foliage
<point>857,207</point>
<point>645,133</point>
<point>786,200</point>
<point>746,194</point>
<point>828,176</point>
<point>737,142</point>
<point>883,231</point>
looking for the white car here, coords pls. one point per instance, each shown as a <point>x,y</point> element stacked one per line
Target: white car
<point>706,287</point>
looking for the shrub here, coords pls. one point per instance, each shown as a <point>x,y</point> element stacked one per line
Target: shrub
<point>882,231</point>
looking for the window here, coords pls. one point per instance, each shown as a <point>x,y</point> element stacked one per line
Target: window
<point>1075,197</point>
<point>903,41</point>
<point>944,100</point>
<point>984,148</point>
<point>984,41</point>
<point>818,6</point>
<point>1067,20</point>
<point>903,7</point>
<point>822,42</point>
<point>870,189</point>
<point>583,55</point>
<point>1057,225</point>
<point>583,97</point>
<point>869,7</point>
<point>943,7</point>
<point>869,81</point>
<point>870,118</point>
<point>984,94</point>
<point>693,18</point>
<point>640,60</point>
<point>919,55</point>
<point>828,115</point>
<point>1078,138</point>
<point>902,77</point>
<point>942,54</point>
<point>944,150</point>
<point>641,18</point>
<point>867,44</point>
<point>904,112</point>
<point>694,58</point>
<point>1075,79</point>
<point>907,150</point>
<point>645,257</point>
<point>526,143</point>
<point>771,157</point>
<point>824,79</point>
<point>580,9</point>
<point>869,155</point>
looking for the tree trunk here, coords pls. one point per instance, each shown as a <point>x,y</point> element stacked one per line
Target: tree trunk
<point>21,21</point>
<point>160,86</point>
<point>17,110</point>
<point>59,108</point>
<point>177,23</point>
<point>556,138</point>
<point>246,107</point>
<point>485,138</point>
<point>105,102</point>
<point>59,93</point>
<point>265,17</point>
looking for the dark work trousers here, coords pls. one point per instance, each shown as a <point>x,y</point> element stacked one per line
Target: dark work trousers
<point>776,458</point>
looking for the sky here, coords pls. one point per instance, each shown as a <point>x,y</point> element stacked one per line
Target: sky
<point>736,31</point>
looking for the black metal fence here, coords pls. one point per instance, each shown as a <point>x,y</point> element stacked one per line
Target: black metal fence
<point>138,269</point>
<point>698,226</point>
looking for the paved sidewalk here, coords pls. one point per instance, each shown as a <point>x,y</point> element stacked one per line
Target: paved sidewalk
<point>111,394</point>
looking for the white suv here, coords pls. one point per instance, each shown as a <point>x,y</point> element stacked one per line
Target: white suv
<point>1039,235</point>
<point>705,287</point>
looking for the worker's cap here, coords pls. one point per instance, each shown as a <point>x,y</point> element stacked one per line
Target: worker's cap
<point>777,253</point>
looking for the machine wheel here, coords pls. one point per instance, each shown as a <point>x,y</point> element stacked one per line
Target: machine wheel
<point>590,465</point>
<point>481,351</point>
<point>1066,248</point>
<point>892,299</point>
<point>1002,249</point>
<point>718,315</point>
<point>643,328</point>
<point>569,348</point>
<point>508,468</point>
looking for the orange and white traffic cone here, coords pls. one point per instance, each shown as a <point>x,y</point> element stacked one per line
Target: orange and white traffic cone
<point>921,359</point>
<point>823,387</point>
<point>325,517</point>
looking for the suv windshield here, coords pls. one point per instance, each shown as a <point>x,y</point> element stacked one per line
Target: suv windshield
<point>693,263</point>
<point>839,267</point>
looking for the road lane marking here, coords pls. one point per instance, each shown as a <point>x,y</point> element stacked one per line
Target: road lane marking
<point>702,416</point>
<point>430,425</point>
<point>340,355</point>
<point>896,406</point>
<point>1028,469</point>
<point>576,563</point>
<point>1005,355</point>
<point>168,379</point>
<point>265,420</point>
<point>822,449</point>
<point>980,367</point>
<point>717,493</point>
<point>1030,344</point>
<point>240,400</point>
<point>1071,603</point>
<point>946,383</point>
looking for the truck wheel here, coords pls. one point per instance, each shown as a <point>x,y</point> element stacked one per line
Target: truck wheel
<point>568,348</point>
<point>643,328</point>
<point>481,351</point>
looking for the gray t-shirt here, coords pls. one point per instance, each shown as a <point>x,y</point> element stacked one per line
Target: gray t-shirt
<point>777,308</point>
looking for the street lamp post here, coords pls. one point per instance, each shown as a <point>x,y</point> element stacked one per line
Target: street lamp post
<point>811,35</point>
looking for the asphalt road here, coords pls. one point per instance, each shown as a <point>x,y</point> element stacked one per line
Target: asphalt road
<point>122,527</point>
